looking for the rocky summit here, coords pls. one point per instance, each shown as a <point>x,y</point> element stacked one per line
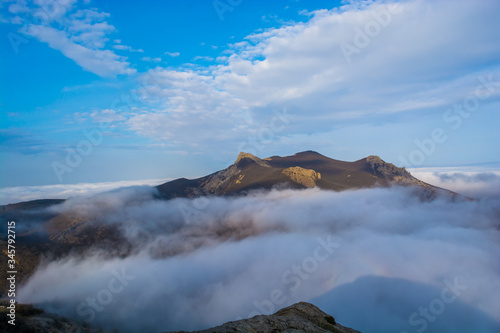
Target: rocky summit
<point>300,317</point>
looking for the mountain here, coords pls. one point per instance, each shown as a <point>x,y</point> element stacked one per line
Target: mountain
<point>43,232</point>
<point>302,170</point>
<point>300,317</point>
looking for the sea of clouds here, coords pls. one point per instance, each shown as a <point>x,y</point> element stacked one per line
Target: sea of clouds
<point>378,260</point>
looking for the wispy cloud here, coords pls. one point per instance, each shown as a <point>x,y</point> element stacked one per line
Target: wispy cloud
<point>22,141</point>
<point>106,116</point>
<point>16,194</point>
<point>98,61</point>
<point>126,48</point>
<point>79,34</point>
<point>172,54</point>
<point>205,58</point>
<point>149,59</point>
<point>475,182</point>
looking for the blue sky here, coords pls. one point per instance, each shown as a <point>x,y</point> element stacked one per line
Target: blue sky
<point>104,91</point>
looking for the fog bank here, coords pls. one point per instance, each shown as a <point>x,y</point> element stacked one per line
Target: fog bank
<point>232,258</point>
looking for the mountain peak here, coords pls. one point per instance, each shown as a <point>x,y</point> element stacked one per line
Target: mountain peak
<point>375,159</point>
<point>308,152</point>
<point>386,169</point>
<point>243,155</point>
<point>300,317</point>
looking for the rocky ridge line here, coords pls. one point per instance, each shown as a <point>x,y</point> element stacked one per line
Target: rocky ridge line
<point>300,317</point>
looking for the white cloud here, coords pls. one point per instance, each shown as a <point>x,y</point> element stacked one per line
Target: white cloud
<point>80,117</point>
<point>421,58</point>
<point>149,59</point>
<point>106,116</point>
<point>206,58</point>
<point>194,102</point>
<point>80,34</point>
<point>18,7</point>
<point>98,61</point>
<point>475,182</point>
<point>16,194</point>
<point>127,48</point>
<point>53,9</point>
<point>172,54</point>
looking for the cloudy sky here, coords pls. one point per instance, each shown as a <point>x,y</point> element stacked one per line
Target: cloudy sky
<point>103,91</point>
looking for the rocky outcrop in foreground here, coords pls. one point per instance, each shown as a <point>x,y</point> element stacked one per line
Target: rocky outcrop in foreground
<point>29,319</point>
<point>300,317</point>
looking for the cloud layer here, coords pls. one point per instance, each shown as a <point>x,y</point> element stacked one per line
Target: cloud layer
<point>9,195</point>
<point>414,56</point>
<point>472,182</point>
<point>202,262</point>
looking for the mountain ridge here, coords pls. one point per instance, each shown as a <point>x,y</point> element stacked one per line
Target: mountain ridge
<point>302,170</point>
<point>329,174</point>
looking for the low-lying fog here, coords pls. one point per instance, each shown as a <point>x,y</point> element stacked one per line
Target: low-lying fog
<point>378,260</point>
